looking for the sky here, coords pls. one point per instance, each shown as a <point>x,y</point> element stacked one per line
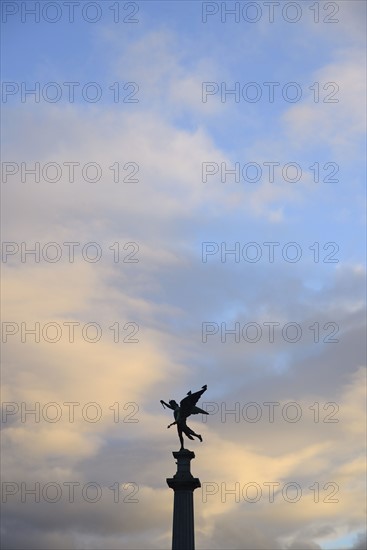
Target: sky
<point>183,203</point>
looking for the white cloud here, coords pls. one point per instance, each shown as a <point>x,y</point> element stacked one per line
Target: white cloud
<point>336,118</point>
<point>169,292</point>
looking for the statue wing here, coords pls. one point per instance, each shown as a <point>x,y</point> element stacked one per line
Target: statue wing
<point>187,405</point>
<point>198,410</point>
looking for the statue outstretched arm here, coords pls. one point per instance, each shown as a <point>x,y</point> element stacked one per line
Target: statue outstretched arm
<point>172,424</point>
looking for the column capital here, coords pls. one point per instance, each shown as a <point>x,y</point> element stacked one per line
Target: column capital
<point>183,480</point>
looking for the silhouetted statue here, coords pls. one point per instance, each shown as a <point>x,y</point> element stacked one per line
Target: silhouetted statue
<point>182,411</point>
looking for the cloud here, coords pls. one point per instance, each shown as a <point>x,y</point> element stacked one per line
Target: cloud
<point>360,543</point>
<point>170,292</point>
<point>334,115</point>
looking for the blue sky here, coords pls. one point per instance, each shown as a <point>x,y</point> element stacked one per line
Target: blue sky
<point>169,213</point>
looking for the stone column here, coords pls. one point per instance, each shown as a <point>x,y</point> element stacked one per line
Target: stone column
<point>183,483</point>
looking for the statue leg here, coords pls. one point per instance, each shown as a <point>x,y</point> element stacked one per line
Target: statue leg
<point>191,432</point>
<point>180,436</point>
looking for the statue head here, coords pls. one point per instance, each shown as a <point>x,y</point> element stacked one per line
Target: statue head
<point>173,403</point>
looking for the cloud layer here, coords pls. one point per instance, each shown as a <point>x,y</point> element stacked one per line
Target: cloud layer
<point>93,341</point>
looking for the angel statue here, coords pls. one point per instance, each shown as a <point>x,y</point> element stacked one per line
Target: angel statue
<point>182,411</point>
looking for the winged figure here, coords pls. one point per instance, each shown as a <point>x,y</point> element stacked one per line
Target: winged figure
<point>181,412</point>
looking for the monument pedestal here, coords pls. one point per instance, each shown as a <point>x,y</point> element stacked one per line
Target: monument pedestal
<point>183,484</point>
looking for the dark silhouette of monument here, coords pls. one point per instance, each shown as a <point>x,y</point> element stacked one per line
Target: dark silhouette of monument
<point>183,482</point>
<point>182,411</point>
